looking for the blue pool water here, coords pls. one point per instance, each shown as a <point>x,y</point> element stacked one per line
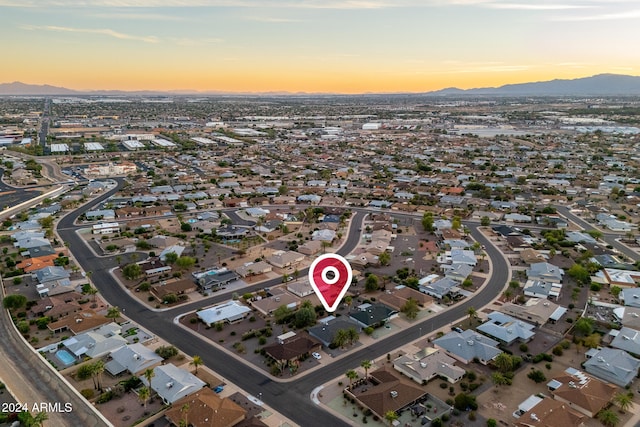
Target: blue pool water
<point>192,221</point>
<point>65,357</point>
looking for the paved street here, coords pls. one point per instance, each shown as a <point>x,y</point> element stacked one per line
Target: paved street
<point>291,398</point>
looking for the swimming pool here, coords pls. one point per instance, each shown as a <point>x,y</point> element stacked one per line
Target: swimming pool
<point>65,357</point>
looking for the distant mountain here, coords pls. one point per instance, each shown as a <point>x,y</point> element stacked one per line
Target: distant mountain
<point>18,88</point>
<point>599,85</point>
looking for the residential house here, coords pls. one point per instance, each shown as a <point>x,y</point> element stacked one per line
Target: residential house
<point>626,339</point>
<point>93,344</point>
<point>549,413</point>
<point>622,278</point>
<point>613,366</point>
<point>172,383</point>
<point>630,297</point>
<point>545,272</point>
<point>254,269</point>
<point>397,297</point>
<point>467,346</point>
<point>507,329</point>
<point>389,392</point>
<point>268,305</point>
<point>133,358</point>
<point>535,310</point>
<point>542,289</point>
<point>205,408</point>
<point>229,312</point>
<point>311,247</point>
<point>583,393</point>
<point>440,288</point>
<point>328,327</point>
<point>372,314</point>
<point>531,256</point>
<point>427,364</point>
<point>290,347</point>
<point>284,259</point>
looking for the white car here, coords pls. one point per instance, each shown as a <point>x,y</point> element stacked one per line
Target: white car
<point>316,355</point>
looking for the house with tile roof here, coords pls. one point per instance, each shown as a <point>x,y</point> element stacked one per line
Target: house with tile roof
<point>390,392</point>
<point>206,409</point>
<point>583,393</point>
<point>551,413</point>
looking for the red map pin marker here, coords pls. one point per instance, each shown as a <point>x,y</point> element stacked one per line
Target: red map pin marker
<point>330,277</point>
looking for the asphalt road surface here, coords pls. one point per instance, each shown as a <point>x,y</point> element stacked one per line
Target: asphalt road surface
<point>292,398</point>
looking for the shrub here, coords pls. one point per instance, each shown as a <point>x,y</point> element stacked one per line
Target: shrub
<point>462,401</point>
<point>87,393</point>
<point>524,348</point>
<point>492,423</point>
<point>105,397</point>
<point>166,351</point>
<point>537,376</point>
<point>557,350</point>
<point>548,366</point>
<point>443,385</point>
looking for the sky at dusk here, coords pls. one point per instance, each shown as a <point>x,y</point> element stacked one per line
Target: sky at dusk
<point>350,46</point>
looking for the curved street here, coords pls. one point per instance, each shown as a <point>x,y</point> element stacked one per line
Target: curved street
<point>291,398</point>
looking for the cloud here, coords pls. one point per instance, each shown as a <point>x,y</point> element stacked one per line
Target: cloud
<point>271,20</point>
<point>289,4</point>
<point>533,7</point>
<point>132,16</point>
<point>186,41</point>
<point>627,14</point>
<point>103,31</point>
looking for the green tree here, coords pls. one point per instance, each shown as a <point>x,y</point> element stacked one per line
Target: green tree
<point>472,313</point>
<point>390,416</point>
<point>608,417</point>
<point>427,222</point>
<point>132,271</point>
<point>113,313</point>
<point>503,362</point>
<point>580,274</point>
<point>40,418</point>
<point>366,365</point>
<point>623,401</point>
<point>185,262</point>
<point>485,221</point>
<point>196,361</point>
<point>340,338</point>
<point>281,313</point>
<point>456,223</point>
<point>14,301</point>
<point>144,393</point>
<point>498,379</point>
<point>97,368</point>
<point>352,336</point>
<point>92,291</point>
<point>615,291</point>
<point>384,258</point>
<point>584,326</point>
<point>371,283</point>
<point>537,376</point>
<point>305,316</point>
<point>351,375</point>
<point>410,308</point>
<point>170,258</point>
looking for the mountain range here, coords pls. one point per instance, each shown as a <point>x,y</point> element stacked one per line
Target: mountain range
<point>598,85</point>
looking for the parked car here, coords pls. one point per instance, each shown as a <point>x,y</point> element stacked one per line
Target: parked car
<point>316,355</point>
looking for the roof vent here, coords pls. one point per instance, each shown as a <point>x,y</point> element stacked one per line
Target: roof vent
<point>394,394</point>
<point>170,384</point>
<point>470,342</point>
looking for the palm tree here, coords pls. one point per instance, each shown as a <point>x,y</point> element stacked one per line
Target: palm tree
<point>390,416</point>
<point>40,418</point>
<point>197,361</point>
<point>608,418</point>
<point>471,311</point>
<point>92,291</point>
<point>143,394</point>
<point>352,375</point>
<point>113,313</point>
<point>148,374</point>
<point>184,410</point>
<point>623,401</point>
<point>366,365</point>
<point>98,369</point>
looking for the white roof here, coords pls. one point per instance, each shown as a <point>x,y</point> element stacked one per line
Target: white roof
<point>220,313</point>
<point>172,383</point>
<point>59,148</point>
